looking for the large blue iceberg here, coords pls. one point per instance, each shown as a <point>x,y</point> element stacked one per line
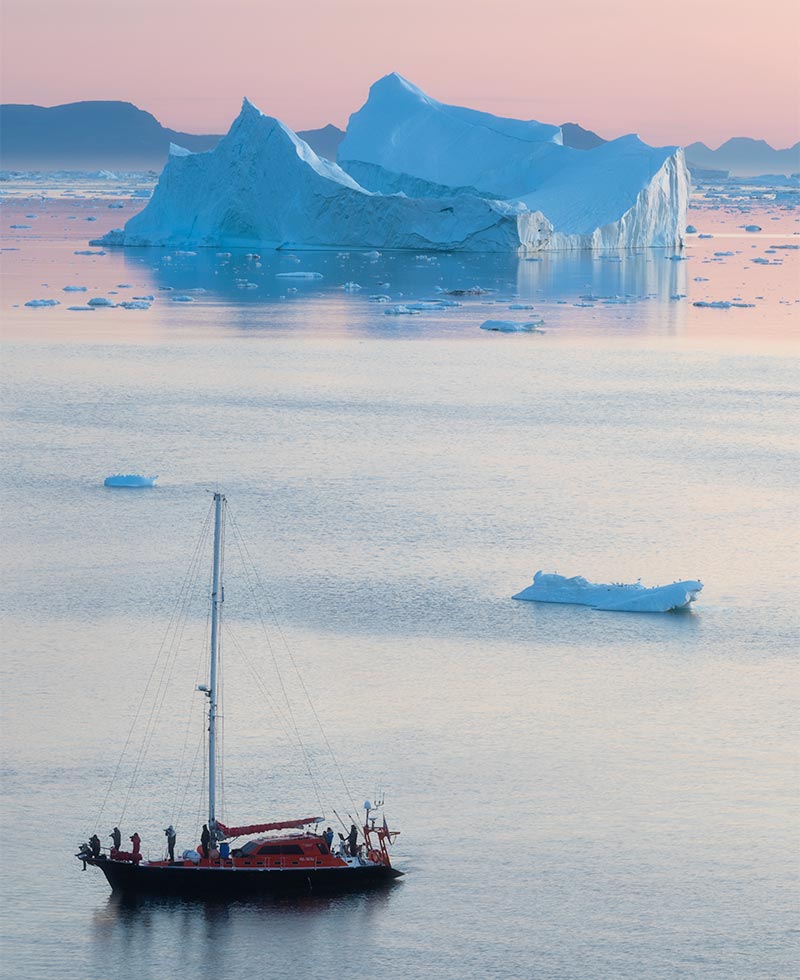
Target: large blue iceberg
<point>417,174</point>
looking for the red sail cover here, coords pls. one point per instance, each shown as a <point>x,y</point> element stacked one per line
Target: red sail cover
<point>260,828</point>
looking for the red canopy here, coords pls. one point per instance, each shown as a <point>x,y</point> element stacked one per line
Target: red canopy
<point>260,828</point>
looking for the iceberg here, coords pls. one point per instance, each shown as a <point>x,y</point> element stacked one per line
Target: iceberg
<point>620,194</point>
<point>263,186</point>
<point>129,480</point>
<point>616,597</point>
<point>414,174</point>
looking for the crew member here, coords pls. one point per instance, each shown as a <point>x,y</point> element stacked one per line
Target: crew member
<point>116,838</point>
<point>205,840</point>
<point>94,844</point>
<point>328,837</point>
<point>170,832</point>
<point>136,853</point>
<point>352,840</point>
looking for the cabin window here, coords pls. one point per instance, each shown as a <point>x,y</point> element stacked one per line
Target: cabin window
<point>281,849</point>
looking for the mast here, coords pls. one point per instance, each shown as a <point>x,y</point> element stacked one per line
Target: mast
<point>217,598</point>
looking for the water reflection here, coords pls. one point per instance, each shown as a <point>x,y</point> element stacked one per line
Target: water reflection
<point>352,291</point>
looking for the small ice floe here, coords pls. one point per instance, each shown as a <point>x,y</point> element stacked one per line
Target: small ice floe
<point>81,309</point>
<point>616,597</point>
<point>723,304</point>
<point>129,480</point>
<point>89,251</point>
<point>91,218</point>
<point>74,289</point>
<point>19,227</point>
<point>678,296</point>
<point>380,298</point>
<point>691,230</point>
<point>752,227</point>
<point>100,301</point>
<point>472,291</point>
<point>352,287</point>
<point>135,304</point>
<point>298,275</point>
<point>373,255</point>
<point>185,254</point>
<point>400,310</point>
<point>144,299</point>
<point>43,302</point>
<point>520,306</point>
<point>223,255</point>
<point>510,326</point>
<point>116,206</point>
<point>700,279</point>
<point>677,258</point>
<point>183,299</point>
<point>722,254</point>
<point>705,236</point>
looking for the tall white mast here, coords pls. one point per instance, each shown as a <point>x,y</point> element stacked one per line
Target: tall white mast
<point>217,598</point>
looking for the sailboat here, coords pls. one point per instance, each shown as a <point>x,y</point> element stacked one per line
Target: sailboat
<point>271,861</point>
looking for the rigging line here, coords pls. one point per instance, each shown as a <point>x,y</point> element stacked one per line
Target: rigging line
<point>190,717</point>
<point>238,535</point>
<point>190,777</point>
<point>149,680</point>
<point>237,539</point>
<point>280,716</point>
<point>173,650</point>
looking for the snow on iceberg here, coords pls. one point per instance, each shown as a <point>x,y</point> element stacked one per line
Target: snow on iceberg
<point>262,185</point>
<point>612,598</point>
<point>620,194</point>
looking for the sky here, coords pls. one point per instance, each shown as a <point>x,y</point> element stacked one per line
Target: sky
<point>673,72</point>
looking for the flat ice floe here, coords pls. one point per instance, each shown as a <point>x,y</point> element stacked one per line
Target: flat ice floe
<point>615,597</point>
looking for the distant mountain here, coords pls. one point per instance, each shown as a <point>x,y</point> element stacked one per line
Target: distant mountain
<point>106,136</point>
<point>745,157</point>
<point>88,136</point>
<point>579,138</point>
<point>324,142</point>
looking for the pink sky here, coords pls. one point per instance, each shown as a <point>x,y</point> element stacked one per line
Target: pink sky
<point>674,71</point>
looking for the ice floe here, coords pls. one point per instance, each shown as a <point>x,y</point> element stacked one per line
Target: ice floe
<point>616,597</point>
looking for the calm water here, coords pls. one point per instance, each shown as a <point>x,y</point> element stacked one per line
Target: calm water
<point>580,794</point>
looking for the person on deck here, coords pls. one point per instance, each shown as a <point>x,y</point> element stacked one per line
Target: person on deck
<point>328,837</point>
<point>116,838</point>
<point>136,853</point>
<point>94,844</point>
<point>170,832</point>
<point>205,840</point>
<point>352,840</point>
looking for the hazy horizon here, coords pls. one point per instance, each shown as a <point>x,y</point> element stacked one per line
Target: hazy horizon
<point>672,74</point>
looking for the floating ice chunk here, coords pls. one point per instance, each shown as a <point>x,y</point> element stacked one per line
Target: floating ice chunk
<point>691,230</point>
<point>88,251</point>
<point>100,301</point>
<point>42,302</point>
<point>723,253</point>
<point>677,258</point>
<point>520,306</point>
<point>20,226</point>
<point>135,304</point>
<point>723,304</point>
<point>616,597</point>
<point>352,287</point>
<point>752,227</point>
<point>145,299</point>
<point>705,236</point>
<point>129,480</point>
<point>298,275</point>
<point>374,254</point>
<point>400,311</point>
<point>678,296</point>
<point>74,289</point>
<point>183,299</point>
<point>81,309</point>
<point>510,326</point>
